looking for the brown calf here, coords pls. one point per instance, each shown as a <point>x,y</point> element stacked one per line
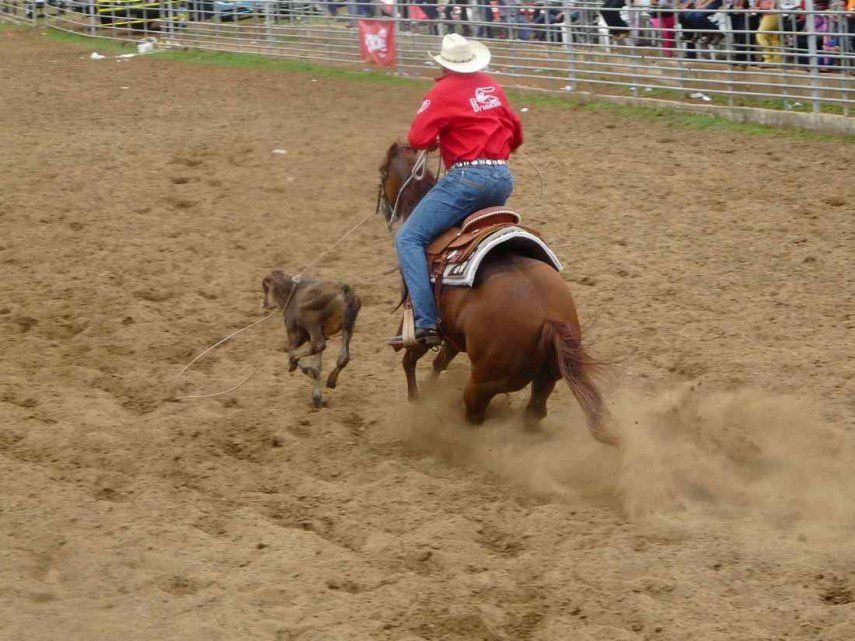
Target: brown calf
<point>313,311</point>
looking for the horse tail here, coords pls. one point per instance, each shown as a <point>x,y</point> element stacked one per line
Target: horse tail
<point>352,305</point>
<point>568,360</point>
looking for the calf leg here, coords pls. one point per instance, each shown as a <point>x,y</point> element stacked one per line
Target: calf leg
<point>295,339</point>
<point>411,357</point>
<point>311,366</point>
<point>541,388</point>
<point>343,359</point>
<point>316,345</point>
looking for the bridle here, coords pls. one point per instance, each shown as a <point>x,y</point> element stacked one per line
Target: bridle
<point>386,208</point>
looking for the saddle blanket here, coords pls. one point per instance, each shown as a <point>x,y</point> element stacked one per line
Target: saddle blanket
<point>460,264</point>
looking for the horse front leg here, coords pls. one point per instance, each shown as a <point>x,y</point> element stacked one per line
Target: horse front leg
<point>443,359</point>
<point>477,397</point>
<point>411,357</point>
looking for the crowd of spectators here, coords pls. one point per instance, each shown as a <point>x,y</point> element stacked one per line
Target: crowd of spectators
<point>766,32</point>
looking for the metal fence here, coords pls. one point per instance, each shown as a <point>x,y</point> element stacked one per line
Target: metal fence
<point>791,54</point>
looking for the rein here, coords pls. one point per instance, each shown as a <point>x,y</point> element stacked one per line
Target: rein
<point>417,174</point>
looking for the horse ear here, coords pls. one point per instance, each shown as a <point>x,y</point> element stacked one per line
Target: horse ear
<point>390,153</point>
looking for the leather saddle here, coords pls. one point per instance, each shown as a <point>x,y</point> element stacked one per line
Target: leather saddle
<point>455,255</point>
<point>458,242</point>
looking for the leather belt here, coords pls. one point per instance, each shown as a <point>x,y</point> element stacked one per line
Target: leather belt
<point>480,162</point>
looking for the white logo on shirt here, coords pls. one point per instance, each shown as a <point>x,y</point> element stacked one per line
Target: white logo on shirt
<point>424,106</point>
<point>484,99</point>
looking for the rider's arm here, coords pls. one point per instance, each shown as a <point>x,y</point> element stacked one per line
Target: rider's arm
<point>428,123</point>
<point>517,140</point>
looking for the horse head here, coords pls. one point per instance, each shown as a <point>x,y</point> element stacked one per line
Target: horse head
<point>400,190</point>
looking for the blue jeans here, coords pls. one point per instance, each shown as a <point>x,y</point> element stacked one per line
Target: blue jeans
<point>459,193</point>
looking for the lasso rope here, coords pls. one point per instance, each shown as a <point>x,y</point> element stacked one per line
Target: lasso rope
<point>539,175</point>
<point>295,280</point>
<point>231,389</point>
<point>221,341</point>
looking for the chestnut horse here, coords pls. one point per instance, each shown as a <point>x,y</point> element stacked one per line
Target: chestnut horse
<point>518,325</point>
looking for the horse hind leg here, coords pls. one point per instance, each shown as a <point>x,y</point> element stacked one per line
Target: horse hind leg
<point>541,388</point>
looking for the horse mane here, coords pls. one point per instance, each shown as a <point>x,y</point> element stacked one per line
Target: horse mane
<point>414,193</point>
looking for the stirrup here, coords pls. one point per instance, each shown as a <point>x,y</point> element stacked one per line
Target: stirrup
<point>427,337</point>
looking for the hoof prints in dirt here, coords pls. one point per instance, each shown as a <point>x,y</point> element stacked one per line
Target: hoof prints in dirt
<point>136,398</point>
<point>499,542</point>
<point>835,590</point>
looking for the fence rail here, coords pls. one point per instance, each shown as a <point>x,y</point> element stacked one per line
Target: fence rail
<point>790,54</point>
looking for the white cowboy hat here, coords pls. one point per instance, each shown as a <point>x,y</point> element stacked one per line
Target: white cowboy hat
<point>462,55</point>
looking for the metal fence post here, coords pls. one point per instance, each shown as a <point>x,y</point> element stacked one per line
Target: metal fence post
<point>678,49</point>
<point>782,35</point>
<point>571,48</point>
<point>810,29</point>
<point>268,25</point>
<point>730,47</point>
<point>396,16</point>
<point>633,16</point>
<point>846,63</point>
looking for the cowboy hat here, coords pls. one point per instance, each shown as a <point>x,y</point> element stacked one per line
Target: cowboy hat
<point>462,55</point>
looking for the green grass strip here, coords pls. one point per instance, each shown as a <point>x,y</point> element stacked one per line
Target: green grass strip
<point>661,114</point>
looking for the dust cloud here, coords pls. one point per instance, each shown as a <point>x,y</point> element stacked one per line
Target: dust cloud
<point>687,454</point>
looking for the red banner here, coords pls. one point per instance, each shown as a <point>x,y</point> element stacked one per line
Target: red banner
<point>377,42</point>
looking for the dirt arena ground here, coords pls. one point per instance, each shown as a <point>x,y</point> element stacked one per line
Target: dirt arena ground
<point>140,205</point>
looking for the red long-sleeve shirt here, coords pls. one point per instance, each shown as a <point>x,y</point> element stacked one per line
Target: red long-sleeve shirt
<point>469,113</point>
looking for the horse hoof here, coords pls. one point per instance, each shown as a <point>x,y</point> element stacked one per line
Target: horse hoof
<point>475,420</point>
<point>532,427</point>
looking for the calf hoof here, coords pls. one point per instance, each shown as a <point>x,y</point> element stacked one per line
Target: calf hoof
<point>317,402</point>
<point>292,364</point>
<point>332,381</point>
